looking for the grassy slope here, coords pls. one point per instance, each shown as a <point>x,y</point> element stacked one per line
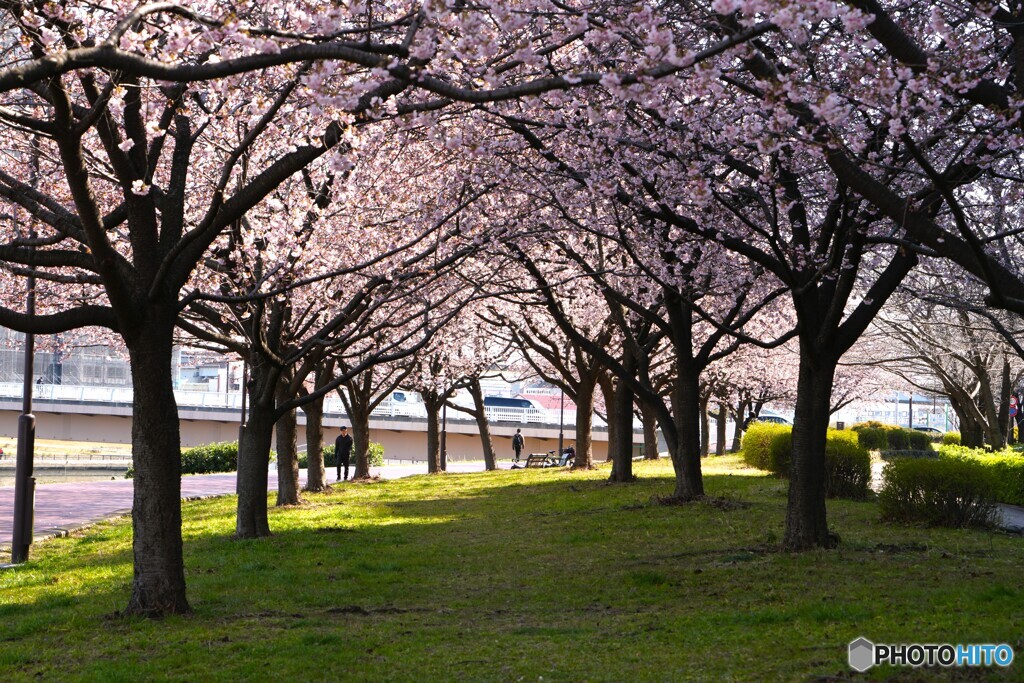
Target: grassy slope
<point>525,575</point>
<point>55,448</point>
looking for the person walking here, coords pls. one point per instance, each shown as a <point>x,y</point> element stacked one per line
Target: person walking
<point>343,451</point>
<point>517,443</point>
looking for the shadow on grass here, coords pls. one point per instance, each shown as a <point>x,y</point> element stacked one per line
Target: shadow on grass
<point>533,508</point>
<point>502,576</point>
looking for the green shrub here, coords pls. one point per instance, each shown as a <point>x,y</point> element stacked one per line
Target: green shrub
<point>899,439</point>
<point>953,492</point>
<point>780,452</point>
<point>375,455</point>
<point>951,439</point>
<point>1009,471</point>
<point>847,463</point>
<point>872,438</point>
<point>847,466</point>
<point>757,443</point>
<point>876,436</point>
<point>919,441</point>
<point>214,457</point>
<point>1007,467</point>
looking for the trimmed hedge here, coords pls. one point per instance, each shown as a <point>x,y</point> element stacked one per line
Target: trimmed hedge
<point>847,466</point>
<point>951,439</point>
<point>876,436</point>
<point>953,492</point>
<point>847,463</point>
<point>213,457</point>
<point>757,442</point>
<point>375,454</point>
<point>1006,466</point>
<point>870,437</point>
<point>780,452</point>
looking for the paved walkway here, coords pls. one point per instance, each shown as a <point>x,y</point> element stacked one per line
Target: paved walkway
<point>1011,518</point>
<point>61,508</point>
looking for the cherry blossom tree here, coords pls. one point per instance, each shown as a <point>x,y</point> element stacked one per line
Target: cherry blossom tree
<point>556,357</point>
<point>363,391</point>
<point>147,172</point>
<point>936,344</point>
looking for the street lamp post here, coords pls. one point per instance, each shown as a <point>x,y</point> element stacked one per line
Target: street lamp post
<point>24,483</point>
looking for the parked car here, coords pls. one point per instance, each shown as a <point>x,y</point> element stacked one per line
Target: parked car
<point>929,430</point>
<point>774,419</point>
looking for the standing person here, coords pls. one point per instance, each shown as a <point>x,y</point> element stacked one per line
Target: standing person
<point>517,443</point>
<point>343,451</point>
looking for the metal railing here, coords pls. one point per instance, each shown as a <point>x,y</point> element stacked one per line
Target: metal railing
<point>211,400</point>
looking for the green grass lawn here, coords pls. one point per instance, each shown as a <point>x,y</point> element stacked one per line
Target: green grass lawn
<point>529,575</point>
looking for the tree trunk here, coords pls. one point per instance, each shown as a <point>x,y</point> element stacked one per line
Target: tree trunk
<point>1003,420</point>
<point>482,425</point>
<point>806,523</point>
<point>737,427</point>
<point>254,452</point>
<point>158,585</point>
<point>622,468</point>
<point>608,391</point>
<point>650,420</point>
<point>316,479</point>
<point>686,453</point>
<point>723,414</point>
<point>287,453</point>
<point>705,428</point>
<point>433,407</point>
<point>360,440</point>
<point>585,424</point>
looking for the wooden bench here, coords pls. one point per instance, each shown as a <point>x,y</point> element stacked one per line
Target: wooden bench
<point>537,460</point>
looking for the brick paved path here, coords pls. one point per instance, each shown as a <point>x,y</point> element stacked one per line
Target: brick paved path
<point>63,507</point>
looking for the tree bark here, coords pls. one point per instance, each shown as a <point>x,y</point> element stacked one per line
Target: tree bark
<point>158,585</point>
<point>482,425</point>
<point>737,431</point>
<point>607,384</point>
<point>360,440</point>
<point>685,453</point>
<point>650,420</point>
<point>433,407</point>
<point>1004,408</point>
<point>705,428</point>
<point>622,468</point>
<point>287,453</point>
<point>806,523</point>
<point>585,423</point>
<point>723,414</point>
<point>316,477</point>
<point>254,452</point>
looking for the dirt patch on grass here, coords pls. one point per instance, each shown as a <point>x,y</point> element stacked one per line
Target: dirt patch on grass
<point>335,530</point>
<point>361,611</point>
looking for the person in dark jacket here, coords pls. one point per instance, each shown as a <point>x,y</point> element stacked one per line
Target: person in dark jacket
<point>517,443</point>
<point>343,451</point>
